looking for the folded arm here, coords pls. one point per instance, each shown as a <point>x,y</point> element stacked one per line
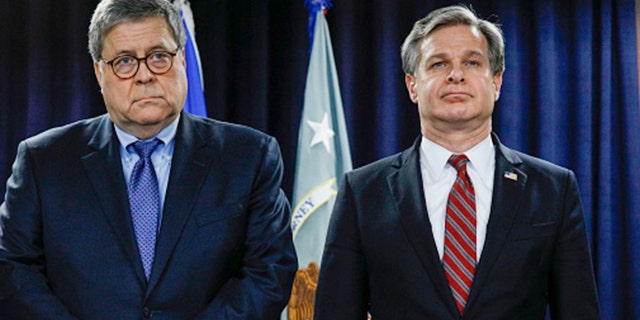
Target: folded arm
<point>263,288</point>
<point>24,290</point>
<point>572,281</point>
<point>343,291</point>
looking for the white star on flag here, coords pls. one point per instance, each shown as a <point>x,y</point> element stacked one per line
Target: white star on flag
<point>321,132</point>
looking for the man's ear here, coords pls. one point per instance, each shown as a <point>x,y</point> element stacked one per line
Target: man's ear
<point>497,84</point>
<point>410,82</point>
<point>98,72</point>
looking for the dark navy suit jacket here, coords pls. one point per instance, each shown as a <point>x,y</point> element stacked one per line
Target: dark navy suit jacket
<point>67,247</point>
<point>380,254</point>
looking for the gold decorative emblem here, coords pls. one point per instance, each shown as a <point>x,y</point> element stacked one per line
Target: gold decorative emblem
<point>303,294</point>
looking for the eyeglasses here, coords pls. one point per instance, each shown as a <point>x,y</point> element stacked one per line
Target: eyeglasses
<point>158,62</point>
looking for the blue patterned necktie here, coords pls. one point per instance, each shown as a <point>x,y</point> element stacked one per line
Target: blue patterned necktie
<point>144,201</point>
<point>459,258</point>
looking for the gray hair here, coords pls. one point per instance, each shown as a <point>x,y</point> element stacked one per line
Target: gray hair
<point>109,13</point>
<point>451,16</point>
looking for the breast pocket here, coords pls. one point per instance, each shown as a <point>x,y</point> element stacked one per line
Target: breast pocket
<point>219,214</point>
<point>537,230</point>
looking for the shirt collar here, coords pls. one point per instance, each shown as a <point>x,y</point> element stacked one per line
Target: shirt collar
<point>481,156</point>
<point>166,135</point>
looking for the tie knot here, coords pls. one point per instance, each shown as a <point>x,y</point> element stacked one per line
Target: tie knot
<point>458,161</point>
<point>144,148</point>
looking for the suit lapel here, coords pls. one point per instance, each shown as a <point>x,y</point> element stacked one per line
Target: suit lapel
<point>405,185</point>
<point>190,165</point>
<point>509,184</point>
<point>104,169</point>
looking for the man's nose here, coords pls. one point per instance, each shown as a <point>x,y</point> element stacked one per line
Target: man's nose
<point>456,75</point>
<point>144,74</point>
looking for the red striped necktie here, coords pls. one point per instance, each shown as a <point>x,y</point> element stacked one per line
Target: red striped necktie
<point>459,257</point>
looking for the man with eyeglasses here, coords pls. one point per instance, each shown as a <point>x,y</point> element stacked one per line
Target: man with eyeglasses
<point>146,211</point>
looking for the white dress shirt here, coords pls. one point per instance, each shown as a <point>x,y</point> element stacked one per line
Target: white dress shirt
<point>438,178</point>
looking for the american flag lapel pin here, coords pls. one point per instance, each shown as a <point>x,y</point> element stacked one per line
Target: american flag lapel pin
<point>511,175</point>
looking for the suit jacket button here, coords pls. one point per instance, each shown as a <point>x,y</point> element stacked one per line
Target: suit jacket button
<point>147,313</point>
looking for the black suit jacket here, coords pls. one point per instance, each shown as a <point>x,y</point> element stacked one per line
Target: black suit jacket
<point>380,254</point>
<point>68,250</point>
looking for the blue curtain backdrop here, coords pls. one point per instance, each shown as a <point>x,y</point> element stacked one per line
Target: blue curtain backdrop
<point>570,92</point>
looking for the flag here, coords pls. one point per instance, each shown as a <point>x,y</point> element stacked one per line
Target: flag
<point>323,146</point>
<point>323,154</point>
<point>194,103</point>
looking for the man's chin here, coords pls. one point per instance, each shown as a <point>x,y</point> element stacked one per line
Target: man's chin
<point>151,103</point>
<point>156,120</point>
<point>151,114</point>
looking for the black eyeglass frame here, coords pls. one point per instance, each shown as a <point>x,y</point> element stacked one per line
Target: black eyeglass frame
<point>172,55</point>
